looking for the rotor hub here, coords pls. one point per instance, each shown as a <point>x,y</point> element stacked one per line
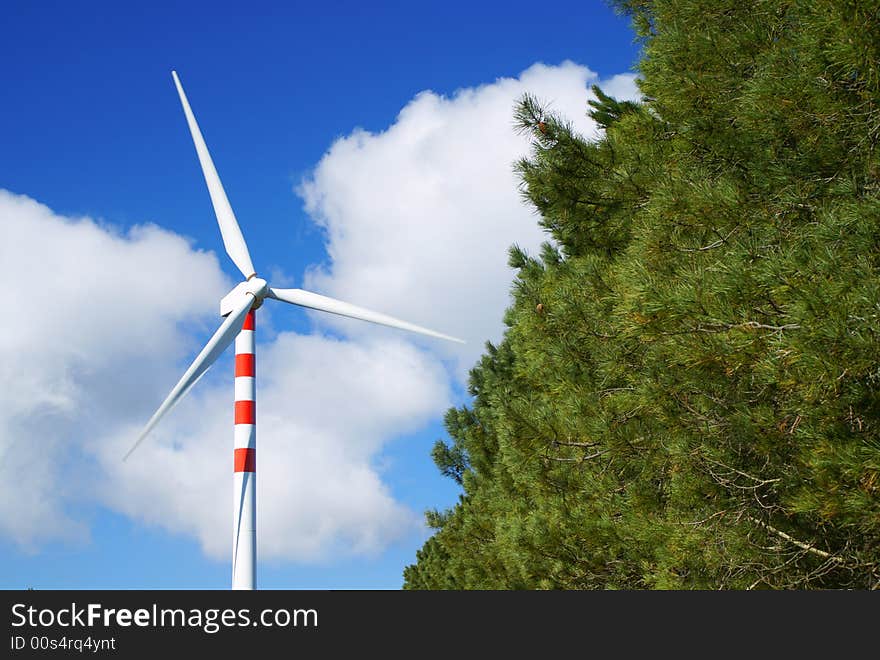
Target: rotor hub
<point>255,286</point>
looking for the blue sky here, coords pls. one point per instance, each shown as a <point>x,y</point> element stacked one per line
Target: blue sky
<point>303,106</point>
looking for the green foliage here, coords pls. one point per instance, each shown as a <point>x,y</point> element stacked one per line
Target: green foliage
<point>687,393</point>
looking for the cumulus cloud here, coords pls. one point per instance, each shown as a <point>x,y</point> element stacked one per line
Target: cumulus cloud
<point>102,324</point>
<point>90,327</point>
<point>325,408</point>
<point>418,218</point>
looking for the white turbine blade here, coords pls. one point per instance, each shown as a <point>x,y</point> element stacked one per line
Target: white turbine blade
<point>325,304</point>
<point>227,331</point>
<point>236,248</point>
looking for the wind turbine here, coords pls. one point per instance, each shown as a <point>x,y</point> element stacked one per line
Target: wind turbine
<point>238,307</point>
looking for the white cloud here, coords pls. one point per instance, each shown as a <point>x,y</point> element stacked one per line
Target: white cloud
<point>91,325</point>
<point>99,323</point>
<point>325,408</point>
<point>622,87</point>
<point>419,217</point>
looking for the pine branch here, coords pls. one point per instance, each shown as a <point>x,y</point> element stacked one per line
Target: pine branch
<point>802,545</point>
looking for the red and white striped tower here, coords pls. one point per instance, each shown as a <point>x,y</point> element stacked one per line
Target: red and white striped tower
<point>244,540</point>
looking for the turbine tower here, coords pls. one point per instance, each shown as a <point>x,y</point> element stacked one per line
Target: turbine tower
<point>239,307</point>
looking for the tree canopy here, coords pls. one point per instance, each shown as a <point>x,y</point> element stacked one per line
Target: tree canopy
<point>686,395</point>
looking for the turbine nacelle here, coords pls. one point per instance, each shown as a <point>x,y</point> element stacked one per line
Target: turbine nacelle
<point>255,286</point>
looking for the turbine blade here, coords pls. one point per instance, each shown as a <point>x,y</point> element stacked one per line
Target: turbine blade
<point>236,248</point>
<point>325,304</point>
<point>227,331</point>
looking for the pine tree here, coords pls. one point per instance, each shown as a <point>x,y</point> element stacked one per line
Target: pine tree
<point>687,392</point>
